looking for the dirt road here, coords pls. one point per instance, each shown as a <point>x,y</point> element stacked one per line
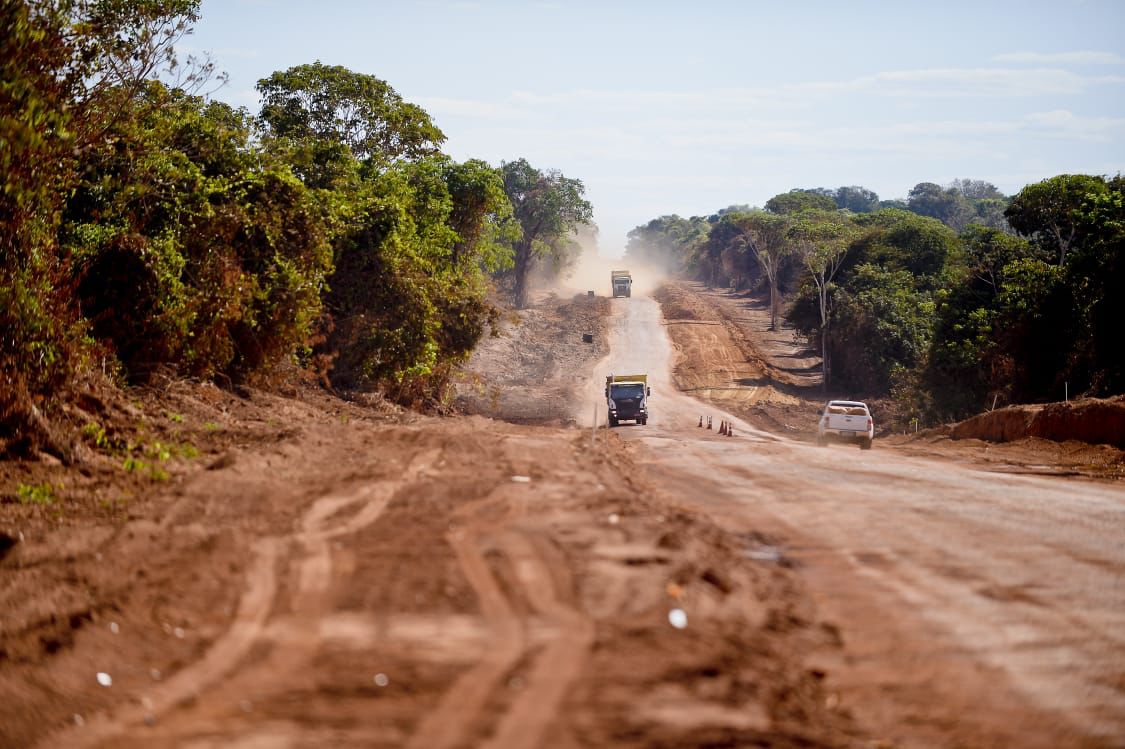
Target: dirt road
<point>336,577</point>
<point>974,608</point>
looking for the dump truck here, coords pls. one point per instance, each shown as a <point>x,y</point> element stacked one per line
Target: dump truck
<point>622,283</point>
<point>627,398</point>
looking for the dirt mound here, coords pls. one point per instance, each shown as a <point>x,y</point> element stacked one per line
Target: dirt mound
<point>1091,420</point>
<point>530,371</point>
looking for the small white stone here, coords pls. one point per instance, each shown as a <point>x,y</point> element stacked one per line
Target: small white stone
<point>146,703</point>
<point>154,673</point>
<point>178,632</point>
<point>677,618</point>
<point>79,720</point>
<point>105,679</point>
<point>614,518</point>
<point>521,479</point>
<point>381,680</point>
<point>114,628</point>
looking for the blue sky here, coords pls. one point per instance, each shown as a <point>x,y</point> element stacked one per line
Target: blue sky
<point>666,107</point>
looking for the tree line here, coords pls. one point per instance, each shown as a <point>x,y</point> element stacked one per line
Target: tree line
<point>953,301</point>
<point>146,228</point>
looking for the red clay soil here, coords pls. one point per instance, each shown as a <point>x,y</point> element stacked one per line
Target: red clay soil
<point>1092,420</point>
<point>268,569</point>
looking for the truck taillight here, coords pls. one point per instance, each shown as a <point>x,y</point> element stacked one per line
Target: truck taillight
<point>870,421</point>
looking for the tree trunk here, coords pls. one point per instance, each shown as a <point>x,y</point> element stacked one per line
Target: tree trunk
<point>822,288</point>
<point>521,272</point>
<point>773,302</point>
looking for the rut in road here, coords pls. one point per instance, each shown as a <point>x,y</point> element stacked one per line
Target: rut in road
<point>461,710</point>
<point>313,573</point>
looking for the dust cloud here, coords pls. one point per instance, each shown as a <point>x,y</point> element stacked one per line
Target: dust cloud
<point>591,272</point>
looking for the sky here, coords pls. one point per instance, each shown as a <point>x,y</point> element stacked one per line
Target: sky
<point>689,107</point>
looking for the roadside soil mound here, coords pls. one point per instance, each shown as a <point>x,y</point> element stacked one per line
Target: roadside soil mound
<point>1091,420</point>
<point>532,367</point>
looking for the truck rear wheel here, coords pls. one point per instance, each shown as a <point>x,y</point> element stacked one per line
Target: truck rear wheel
<point>613,421</point>
<point>865,443</point>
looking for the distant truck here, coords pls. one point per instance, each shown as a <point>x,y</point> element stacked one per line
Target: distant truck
<point>627,398</point>
<point>622,283</point>
<point>846,420</point>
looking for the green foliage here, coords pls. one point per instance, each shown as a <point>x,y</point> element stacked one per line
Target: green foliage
<point>550,208</point>
<point>36,494</point>
<point>882,326</point>
<point>796,201</point>
<point>946,324</point>
<point>223,258</point>
<point>39,340</point>
<point>1050,211</point>
<point>329,104</point>
<point>901,240</point>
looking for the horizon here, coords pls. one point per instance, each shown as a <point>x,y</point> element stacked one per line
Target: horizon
<point>660,110</point>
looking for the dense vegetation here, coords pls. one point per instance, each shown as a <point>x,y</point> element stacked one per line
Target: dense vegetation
<point>147,230</point>
<point>952,301</point>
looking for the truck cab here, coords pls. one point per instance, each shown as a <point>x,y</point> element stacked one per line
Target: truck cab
<point>622,283</point>
<point>627,398</point>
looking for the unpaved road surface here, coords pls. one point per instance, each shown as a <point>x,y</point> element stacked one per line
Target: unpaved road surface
<point>974,608</point>
<point>352,580</point>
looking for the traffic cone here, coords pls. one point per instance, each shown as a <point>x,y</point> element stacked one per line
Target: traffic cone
<point>730,430</point>
<point>701,421</point>
<point>725,428</point>
<point>721,422</point>
<point>708,422</point>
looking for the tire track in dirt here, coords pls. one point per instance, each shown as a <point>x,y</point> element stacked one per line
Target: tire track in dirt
<point>314,577</point>
<point>560,664</point>
<point>553,670</point>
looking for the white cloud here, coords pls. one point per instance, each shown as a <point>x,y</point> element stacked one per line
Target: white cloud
<point>1064,124</point>
<point>437,106</point>
<point>980,82</point>
<point>1062,58</point>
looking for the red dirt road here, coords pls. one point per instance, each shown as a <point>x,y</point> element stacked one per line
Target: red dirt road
<point>975,608</point>
<point>351,580</point>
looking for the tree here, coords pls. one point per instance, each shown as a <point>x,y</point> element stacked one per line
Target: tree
<point>821,239</point>
<point>948,206</point>
<point>481,215</point>
<point>769,241</point>
<point>332,104</point>
<point>68,72</point>
<point>549,208</point>
<point>221,253</point>
<point>856,199</point>
<point>1048,211</point>
<point>975,189</point>
<point>797,200</point>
